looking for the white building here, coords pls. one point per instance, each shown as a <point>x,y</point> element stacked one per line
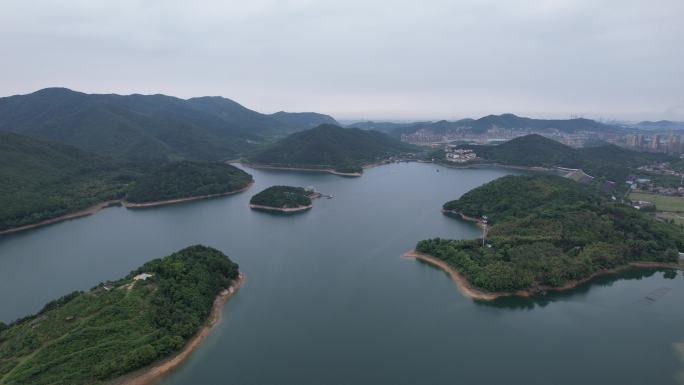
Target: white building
<point>459,155</point>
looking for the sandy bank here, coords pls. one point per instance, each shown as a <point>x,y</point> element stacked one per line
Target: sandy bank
<point>82,213</point>
<point>154,372</point>
<point>470,291</point>
<point>328,170</point>
<point>281,209</point>
<point>131,205</point>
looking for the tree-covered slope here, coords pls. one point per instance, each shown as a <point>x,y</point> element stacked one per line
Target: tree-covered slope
<point>329,146</point>
<point>187,179</point>
<point>607,161</point>
<point>40,180</point>
<point>132,127</point>
<point>548,231</point>
<point>283,197</point>
<point>516,196</point>
<point>115,328</point>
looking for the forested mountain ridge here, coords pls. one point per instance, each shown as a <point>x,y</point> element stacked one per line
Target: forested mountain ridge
<point>330,146</point>
<point>481,125</point>
<point>142,127</point>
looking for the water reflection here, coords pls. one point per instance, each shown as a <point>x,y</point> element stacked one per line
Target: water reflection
<point>607,280</point>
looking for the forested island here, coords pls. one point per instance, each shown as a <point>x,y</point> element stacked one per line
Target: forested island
<point>546,233</point>
<point>330,148</point>
<point>283,198</point>
<point>186,180</point>
<point>160,309</point>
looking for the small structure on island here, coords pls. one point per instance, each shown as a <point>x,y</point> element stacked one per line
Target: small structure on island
<point>142,277</point>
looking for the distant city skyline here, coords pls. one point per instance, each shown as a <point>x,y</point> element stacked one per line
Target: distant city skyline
<point>358,60</point>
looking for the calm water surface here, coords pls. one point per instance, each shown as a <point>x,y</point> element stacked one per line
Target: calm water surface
<point>328,300</point>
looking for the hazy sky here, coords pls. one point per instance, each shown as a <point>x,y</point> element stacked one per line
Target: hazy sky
<point>394,59</point>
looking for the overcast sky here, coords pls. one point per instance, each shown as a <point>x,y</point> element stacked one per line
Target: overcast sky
<point>389,59</point>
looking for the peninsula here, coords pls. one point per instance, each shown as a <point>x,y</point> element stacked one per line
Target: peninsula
<point>285,199</point>
<point>137,327</point>
<point>184,181</point>
<point>547,233</point>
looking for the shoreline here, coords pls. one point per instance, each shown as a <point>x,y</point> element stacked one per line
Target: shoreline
<point>476,220</point>
<point>74,215</point>
<point>118,202</point>
<point>152,373</point>
<point>131,205</point>
<point>470,291</point>
<point>284,168</point>
<point>280,209</point>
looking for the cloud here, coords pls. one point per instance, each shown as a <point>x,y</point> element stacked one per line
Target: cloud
<point>354,58</point>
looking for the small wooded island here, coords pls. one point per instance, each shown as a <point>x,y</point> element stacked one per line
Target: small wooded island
<point>162,308</point>
<point>547,233</point>
<point>286,199</point>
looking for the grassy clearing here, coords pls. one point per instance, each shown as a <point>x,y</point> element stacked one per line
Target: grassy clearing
<point>662,202</point>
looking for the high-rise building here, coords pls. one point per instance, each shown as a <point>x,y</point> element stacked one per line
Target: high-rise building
<point>655,142</point>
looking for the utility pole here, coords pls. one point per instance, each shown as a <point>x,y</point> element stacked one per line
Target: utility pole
<point>484,229</point>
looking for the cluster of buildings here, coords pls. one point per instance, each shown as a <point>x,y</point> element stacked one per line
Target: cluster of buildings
<point>459,155</point>
<point>667,143</point>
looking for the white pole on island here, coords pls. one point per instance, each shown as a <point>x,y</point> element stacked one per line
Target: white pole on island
<point>484,229</point>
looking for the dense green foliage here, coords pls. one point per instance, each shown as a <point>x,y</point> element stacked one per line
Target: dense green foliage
<point>329,146</point>
<point>146,127</point>
<point>512,196</point>
<point>40,180</point>
<point>282,197</point>
<point>548,231</point>
<point>607,161</point>
<point>91,337</point>
<point>187,179</point>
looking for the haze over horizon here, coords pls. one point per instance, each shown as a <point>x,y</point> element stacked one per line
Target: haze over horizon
<point>355,59</point>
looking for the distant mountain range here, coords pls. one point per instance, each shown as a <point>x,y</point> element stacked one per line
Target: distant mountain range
<point>330,146</point>
<point>480,126</point>
<point>147,127</point>
<point>660,125</point>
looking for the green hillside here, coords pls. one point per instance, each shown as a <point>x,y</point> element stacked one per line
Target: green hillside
<point>330,146</point>
<point>147,127</point>
<point>187,179</point>
<point>547,231</point>
<point>115,328</point>
<point>607,161</point>
<point>41,180</point>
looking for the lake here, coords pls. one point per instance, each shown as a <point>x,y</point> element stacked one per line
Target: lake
<point>328,300</point>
